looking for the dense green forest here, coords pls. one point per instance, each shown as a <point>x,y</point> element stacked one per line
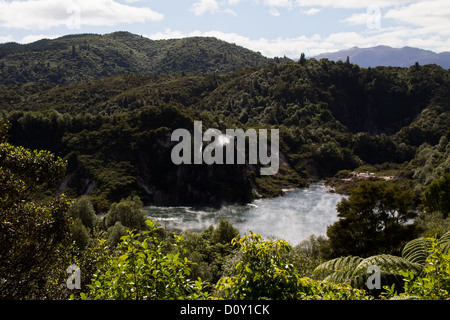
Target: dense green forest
<point>85,57</point>
<point>103,108</point>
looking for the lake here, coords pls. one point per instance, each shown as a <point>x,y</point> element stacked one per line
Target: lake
<point>292,217</point>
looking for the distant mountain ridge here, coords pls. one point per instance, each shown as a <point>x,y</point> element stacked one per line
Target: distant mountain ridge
<point>388,56</point>
<point>86,57</point>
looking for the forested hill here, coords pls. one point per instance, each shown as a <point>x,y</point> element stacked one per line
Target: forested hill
<point>332,116</point>
<point>85,57</point>
<point>108,104</point>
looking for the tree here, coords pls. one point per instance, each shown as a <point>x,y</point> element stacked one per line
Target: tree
<point>224,233</point>
<point>74,51</point>
<point>302,59</point>
<point>437,196</point>
<point>372,221</point>
<point>34,237</point>
<point>128,212</point>
<point>84,210</point>
<point>306,255</point>
<point>80,234</point>
<point>115,233</point>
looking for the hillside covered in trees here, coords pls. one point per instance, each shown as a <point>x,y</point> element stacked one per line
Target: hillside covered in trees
<point>115,130</point>
<point>106,106</point>
<point>81,58</point>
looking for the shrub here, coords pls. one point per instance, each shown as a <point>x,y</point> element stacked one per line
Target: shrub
<point>128,212</point>
<point>263,273</point>
<point>139,270</point>
<point>84,210</point>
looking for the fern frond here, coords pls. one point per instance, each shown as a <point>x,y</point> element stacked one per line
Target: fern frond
<point>417,250</point>
<point>360,282</point>
<point>387,264</point>
<point>444,242</point>
<point>337,270</point>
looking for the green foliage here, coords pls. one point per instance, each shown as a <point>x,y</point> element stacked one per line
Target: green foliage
<point>437,196</point>
<point>261,273</point>
<point>354,271</point>
<point>423,268</point>
<point>417,250</point>
<point>115,233</point>
<point>332,116</point>
<point>33,235</point>
<point>338,270</point>
<point>387,263</point>
<point>84,210</point>
<point>306,255</point>
<point>430,163</point>
<point>372,220</point>
<point>444,242</point>
<point>210,255</point>
<point>111,120</point>
<point>80,234</point>
<point>434,281</point>
<point>432,224</point>
<point>323,290</point>
<point>77,58</point>
<point>140,271</point>
<point>128,212</point>
<point>264,273</point>
<point>224,232</point>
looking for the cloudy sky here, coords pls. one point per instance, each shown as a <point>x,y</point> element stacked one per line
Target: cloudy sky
<point>273,27</point>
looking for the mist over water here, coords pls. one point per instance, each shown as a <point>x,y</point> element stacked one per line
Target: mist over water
<point>293,217</point>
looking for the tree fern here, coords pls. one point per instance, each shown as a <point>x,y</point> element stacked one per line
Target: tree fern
<point>353,270</point>
<point>416,250</point>
<point>347,269</point>
<point>387,263</point>
<point>338,270</point>
<point>444,242</point>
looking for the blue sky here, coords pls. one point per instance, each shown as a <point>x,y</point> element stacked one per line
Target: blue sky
<point>272,27</point>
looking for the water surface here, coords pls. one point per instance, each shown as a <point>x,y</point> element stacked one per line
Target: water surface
<point>292,217</point>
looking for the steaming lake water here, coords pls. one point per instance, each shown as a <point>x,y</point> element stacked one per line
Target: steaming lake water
<point>292,217</point>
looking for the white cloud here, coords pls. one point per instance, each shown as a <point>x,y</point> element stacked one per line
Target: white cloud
<point>291,47</point>
<point>201,7</point>
<point>316,44</point>
<point>45,14</point>
<point>310,12</point>
<point>423,14</point>
<point>274,12</point>
<point>357,19</point>
<point>346,4</point>
<point>350,4</point>
<point>312,7</point>
<point>35,37</point>
<point>229,11</point>
<point>7,38</point>
<point>279,3</point>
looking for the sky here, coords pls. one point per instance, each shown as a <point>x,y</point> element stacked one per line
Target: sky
<point>272,27</point>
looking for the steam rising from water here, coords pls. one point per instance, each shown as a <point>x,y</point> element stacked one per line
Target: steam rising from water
<point>292,217</point>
